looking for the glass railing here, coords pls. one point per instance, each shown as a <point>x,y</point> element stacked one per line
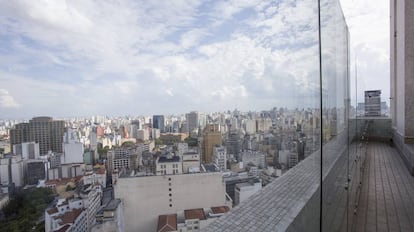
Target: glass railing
<point>322,192</point>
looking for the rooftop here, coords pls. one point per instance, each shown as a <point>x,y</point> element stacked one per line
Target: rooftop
<point>70,217</point>
<point>220,209</point>
<point>113,204</point>
<point>194,214</point>
<point>164,159</point>
<point>167,223</point>
<point>63,228</point>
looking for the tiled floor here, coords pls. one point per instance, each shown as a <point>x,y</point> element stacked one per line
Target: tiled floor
<point>387,195</point>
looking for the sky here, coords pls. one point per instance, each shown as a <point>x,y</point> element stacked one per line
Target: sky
<point>127,57</point>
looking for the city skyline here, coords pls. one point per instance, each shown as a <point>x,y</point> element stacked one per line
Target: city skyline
<point>61,59</point>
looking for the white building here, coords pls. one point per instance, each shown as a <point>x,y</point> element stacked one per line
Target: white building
<point>11,170</point>
<point>250,126</point>
<point>143,135</point>
<point>66,216</point>
<point>95,177</point>
<point>28,150</point>
<point>242,191</point>
<point>72,149</point>
<point>169,165</point>
<point>145,198</point>
<point>92,196</point>
<point>155,133</point>
<point>93,141</point>
<point>220,157</point>
<point>65,171</point>
<point>191,162</point>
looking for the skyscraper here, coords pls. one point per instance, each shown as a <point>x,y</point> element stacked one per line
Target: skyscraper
<point>43,130</point>
<point>192,121</point>
<point>211,138</point>
<point>158,122</point>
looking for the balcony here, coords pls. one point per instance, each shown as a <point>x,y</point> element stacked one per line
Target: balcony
<point>378,194</point>
<point>386,202</point>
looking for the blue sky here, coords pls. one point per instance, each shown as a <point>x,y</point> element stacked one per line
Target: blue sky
<point>81,57</point>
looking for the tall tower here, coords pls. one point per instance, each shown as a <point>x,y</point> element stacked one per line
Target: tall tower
<point>192,121</point>
<point>211,138</point>
<point>158,122</point>
<point>43,130</point>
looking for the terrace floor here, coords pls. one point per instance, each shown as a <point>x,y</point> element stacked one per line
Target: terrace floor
<point>387,194</point>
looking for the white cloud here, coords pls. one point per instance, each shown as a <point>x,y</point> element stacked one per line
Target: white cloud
<point>6,100</point>
<point>116,57</point>
<point>369,29</point>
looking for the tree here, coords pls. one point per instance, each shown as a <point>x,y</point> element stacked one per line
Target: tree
<point>25,208</point>
<point>158,142</point>
<point>192,142</point>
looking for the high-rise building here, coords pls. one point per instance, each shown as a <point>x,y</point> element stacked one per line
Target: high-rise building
<point>233,144</point>
<point>35,171</point>
<point>250,126</point>
<point>211,138</point>
<point>72,148</point>
<point>43,130</point>
<point>28,150</point>
<point>220,157</point>
<point>118,158</point>
<point>158,122</point>
<point>11,170</point>
<point>192,121</point>
<point>373,103</point>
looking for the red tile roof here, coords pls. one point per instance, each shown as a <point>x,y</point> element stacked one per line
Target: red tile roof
<point>52,210</point>
<point>63,229</point>
<point>167,223</point>
<point>70,217</point>
<point>194,214</point>
<point>220,209</point>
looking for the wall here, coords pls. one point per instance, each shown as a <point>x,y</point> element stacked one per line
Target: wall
<point>402,78</point>
<point>144,198</point>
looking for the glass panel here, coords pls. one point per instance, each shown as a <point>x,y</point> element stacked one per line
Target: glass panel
<point>335,111</point>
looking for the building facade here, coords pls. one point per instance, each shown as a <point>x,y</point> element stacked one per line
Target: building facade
<point>45,131</point>
<point>211,138</point>
<point>158,122</point>
<point>145,198</point>
<point>373,103</point>
<point>402,78</point>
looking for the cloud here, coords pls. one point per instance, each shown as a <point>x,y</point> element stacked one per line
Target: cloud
<point>137,57</point>
<point>6,100</point>
<point>369,30</point>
